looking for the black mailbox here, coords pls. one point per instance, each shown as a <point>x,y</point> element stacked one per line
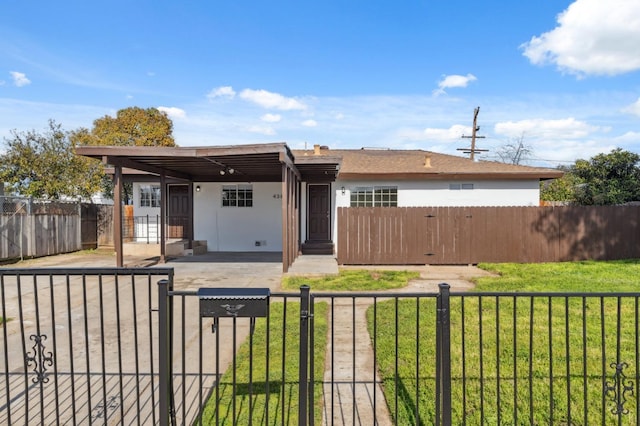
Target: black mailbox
<point>233,302</point>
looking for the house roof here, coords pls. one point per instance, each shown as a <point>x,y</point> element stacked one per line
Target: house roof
<point>264,163</point>
<point>419,164</point>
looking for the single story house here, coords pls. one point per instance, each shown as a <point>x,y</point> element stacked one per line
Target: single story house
<point>268,197</point>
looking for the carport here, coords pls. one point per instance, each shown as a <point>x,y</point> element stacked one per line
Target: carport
<point>228,164</point>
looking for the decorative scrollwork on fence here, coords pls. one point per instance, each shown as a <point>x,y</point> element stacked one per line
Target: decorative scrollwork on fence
<point>39,358</point>
<point>619,389</point>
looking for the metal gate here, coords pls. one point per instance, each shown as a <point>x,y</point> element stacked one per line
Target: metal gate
<point>79,345</point>
<point>218,362</point>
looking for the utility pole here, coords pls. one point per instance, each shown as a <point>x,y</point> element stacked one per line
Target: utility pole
<point>471,151</point>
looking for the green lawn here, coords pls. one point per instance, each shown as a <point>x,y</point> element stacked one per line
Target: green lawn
<point>587,276</point>
<point>283,383</point>
<point>352,280</point>
<point>514,360</point>
<point>553,347</point>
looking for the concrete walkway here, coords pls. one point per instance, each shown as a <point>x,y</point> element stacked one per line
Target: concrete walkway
<point>350,398</point>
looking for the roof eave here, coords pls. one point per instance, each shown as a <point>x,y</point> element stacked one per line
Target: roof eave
<point>449,176</point>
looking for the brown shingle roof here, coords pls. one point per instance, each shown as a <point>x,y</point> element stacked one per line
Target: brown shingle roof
<point>419,164</point>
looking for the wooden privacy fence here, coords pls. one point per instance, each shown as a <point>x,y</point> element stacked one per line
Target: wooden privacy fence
<point>32,228</point>
<point>469,235</point>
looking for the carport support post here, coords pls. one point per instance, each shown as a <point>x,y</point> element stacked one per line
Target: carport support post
<point>303,396</point>
<point>163,214</point>
<point>117,215</point>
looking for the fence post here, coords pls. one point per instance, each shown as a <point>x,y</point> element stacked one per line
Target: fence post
<point>304,357</point>
<point>164,366</point>
<point>444,355</point>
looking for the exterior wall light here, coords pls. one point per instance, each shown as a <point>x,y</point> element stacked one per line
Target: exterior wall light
<point>343,190</point>
<point>198,188</point>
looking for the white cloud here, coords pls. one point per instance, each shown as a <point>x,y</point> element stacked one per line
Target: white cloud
<point>271,118</point>
<point>567,151</point>
<point>454,132</point>
<point>20,79</point>
<point>310,123</point>
<point>173,112</point>
<point>151,73</point>
<point>263,130</point>
<point>453,80</point>
<point>271,100</point>
<point>221,92</point>
<point>566,128</point>
<point>629,137</point>
<point>634,108</point>
<point>592,37</point>
<point>2,82</point>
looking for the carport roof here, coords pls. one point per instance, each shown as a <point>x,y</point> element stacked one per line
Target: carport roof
<point>246,163</point>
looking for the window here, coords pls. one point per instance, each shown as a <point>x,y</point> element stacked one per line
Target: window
<point>150,196</point>
<point>237,196</point>
<point>459,186</point>
<point>377,196</point>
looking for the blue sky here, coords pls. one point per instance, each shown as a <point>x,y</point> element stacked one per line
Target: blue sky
<point>563,75</point>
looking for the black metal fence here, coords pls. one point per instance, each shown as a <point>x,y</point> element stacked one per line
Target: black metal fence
<point>412,358</point>
<point>146,229</point>
<point>79,346</point>
<point>86,346</point>
<point>141,229</point>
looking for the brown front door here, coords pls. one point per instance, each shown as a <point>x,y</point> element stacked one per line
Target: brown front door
<point>319,213</point>
<point>179,221</point>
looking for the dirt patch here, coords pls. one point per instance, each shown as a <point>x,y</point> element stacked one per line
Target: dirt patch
<point>459,277</point>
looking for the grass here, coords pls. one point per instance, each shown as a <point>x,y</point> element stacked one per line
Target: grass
<point>620,275</point>
<point>352,280</point>
<point>283,359</point>
<point>517,360</point>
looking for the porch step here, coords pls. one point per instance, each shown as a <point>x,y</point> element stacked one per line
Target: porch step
<point>317,247</point>
<point>181,248</point>
<point>197,247</point>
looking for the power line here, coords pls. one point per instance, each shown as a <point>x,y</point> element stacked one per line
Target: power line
<point>471,151</point>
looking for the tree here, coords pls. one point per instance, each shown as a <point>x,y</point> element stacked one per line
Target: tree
<point>515,152</point>
<point>131,126</point>
<point>561,189</point>
<point>44,165</point>
<point>612,178</point>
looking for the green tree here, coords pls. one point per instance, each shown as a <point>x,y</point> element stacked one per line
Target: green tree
<point>561,189</point>
<point>612,178</point>
<point>44,165</point>
<point>131,126</point>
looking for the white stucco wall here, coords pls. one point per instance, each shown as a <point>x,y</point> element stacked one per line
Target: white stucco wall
<point>238,228</point>
<point>437,193</point>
